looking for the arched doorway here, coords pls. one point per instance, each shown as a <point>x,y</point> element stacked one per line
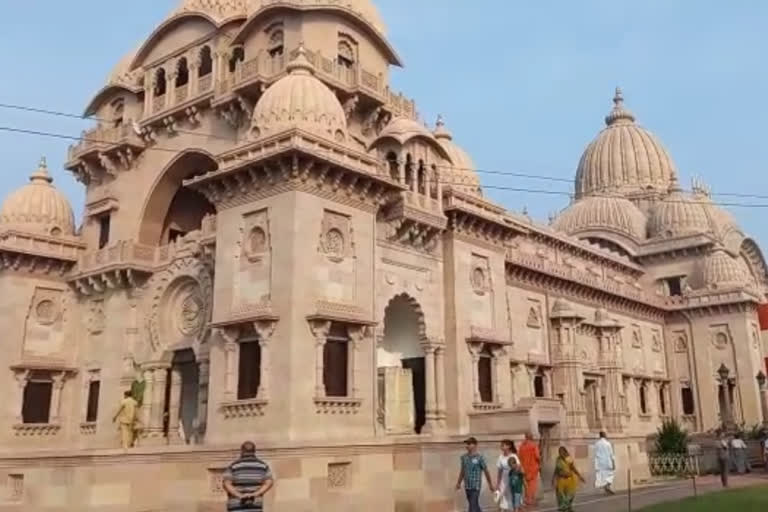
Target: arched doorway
<point>171,210</point>
<point>401,347</point>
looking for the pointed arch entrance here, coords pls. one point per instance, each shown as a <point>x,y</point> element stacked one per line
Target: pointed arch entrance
<point>401,357</point>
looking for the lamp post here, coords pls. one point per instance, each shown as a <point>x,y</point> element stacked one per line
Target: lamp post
<point>761,380</point>
<point>724,372</point>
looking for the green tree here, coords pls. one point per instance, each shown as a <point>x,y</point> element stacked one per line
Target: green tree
<point>671,438</point>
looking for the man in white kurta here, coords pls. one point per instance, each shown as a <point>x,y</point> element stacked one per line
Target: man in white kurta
<point>605,464</point>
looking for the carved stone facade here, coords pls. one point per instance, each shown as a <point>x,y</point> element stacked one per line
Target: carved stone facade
<point>307,263</point>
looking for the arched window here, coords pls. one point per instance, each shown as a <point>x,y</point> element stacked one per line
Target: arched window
<point>118,109</point>
<point>182,72</point>
<point>206,62</point>
<point>336,361</point>
<point>409,171</point>
<point>485,375</point>
<point>160,82</point>
<point>238,55</point>
<point>422,178</point>
<point>276,44</point>
<point>346,54</point>
<point>643,401</point>
<point>394,171</point>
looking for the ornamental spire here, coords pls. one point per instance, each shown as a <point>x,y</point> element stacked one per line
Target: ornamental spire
<point>41,174</point>
<point>619,113</point>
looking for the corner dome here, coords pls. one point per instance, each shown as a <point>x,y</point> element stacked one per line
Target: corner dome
<point>678,215</point>
<point>612,214</point>
<point>403,129</point>
<point>299,100</point>
<point>462,175</point>
<point>624,158</point>
<point>218,10</point>
<point>720,270</point>
<point>365,9</point>
<point>38,207</point>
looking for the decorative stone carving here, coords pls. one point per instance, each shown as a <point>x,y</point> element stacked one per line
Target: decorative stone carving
<point>720,340</point>
<point>336,236</point>
<point>656,342</point>
<point>534,319</point>
<point>637,340</point>
<point>256,240</point>
<point>96,317</point>
<point>338,475</point>
<point>681,344</point>
<point>46,312</point>
<point>190,314</point>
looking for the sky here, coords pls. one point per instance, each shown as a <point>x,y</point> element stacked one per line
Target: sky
<point>524,86</point>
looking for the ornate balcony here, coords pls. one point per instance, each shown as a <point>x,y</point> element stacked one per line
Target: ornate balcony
<point>414,219</point>
<point>104,149</point>
<point>111,267</point>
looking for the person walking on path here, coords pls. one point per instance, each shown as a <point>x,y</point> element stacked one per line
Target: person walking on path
<point>722,457</point>
<point>471,472</point>
<point>508,452</point>
<point>515,484</point>
<point>565,480</point>
<point>126,418</point>
<point>605,464</point>
<point>246,481</point>
<point>530,459</point>
<point>739,454</point>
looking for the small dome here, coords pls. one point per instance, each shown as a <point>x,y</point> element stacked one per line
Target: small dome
<point>562,309</point>
<point>462,174</point>
<point>678,215</point>
<point>38,207</point>
<point>608,213</point>
<point>299,100</point>
<point>218,10</point>
<point>720,270</point>
<point>362,8</point>
<point>403,129</point>
<point>623,158</point>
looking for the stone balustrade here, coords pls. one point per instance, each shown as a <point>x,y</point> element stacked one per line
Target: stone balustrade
<point>104,137</point>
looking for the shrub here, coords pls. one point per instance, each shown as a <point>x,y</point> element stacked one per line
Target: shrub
<point>671,439</point>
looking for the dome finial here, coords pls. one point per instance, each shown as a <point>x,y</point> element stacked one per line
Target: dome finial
<point>674,185</point>
<point>440,131</point>
<point>41,174</point>
<point>619,113</point>
<point>300,63</point>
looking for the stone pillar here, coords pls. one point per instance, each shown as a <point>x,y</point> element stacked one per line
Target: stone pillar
<point>474,350</point>
<point>146,406</point>
<point>439,191</point>
<point>157,407</point>
<point>427,184</point>
<point>231,351</point>
<point>58,385</point>
<point>357,334</point>
<point>442,413</point>
<point>193,64</point>
<point>22,377</point>
<point>265,330</point>
<point>148,93</point>
<point>320,331</point>
<point>498,358</point>
<point>174,407</point>
<point>610,364</point>
<point>429,391</point>
<point>204,371</point>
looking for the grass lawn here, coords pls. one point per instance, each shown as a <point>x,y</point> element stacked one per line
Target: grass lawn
<point>737,500</point>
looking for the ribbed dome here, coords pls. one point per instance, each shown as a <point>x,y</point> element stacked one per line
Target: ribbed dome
<point>299,100</point>
<point>38,207</point>
<point>461,175</point>
<point>623,158</point>
<point>608,213</point>
<point>218,10</point>
<point>402,129</point>
<point>721,221</point>
<point>363,8</point>
<point>720,270</point>
<point>678,215</point>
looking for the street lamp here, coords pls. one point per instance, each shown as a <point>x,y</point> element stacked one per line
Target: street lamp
<point>723,372</point>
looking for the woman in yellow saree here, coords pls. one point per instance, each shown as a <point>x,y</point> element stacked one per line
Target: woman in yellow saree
<point>565,480</point>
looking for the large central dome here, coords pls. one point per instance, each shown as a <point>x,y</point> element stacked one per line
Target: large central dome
<point>624,158</point>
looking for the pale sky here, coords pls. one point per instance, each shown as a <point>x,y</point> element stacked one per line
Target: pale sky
<point>523,86</point>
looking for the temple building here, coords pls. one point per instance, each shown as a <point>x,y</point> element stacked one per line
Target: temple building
<point>276,248</point>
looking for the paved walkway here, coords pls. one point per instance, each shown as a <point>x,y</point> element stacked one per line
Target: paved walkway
<point>652,494</point>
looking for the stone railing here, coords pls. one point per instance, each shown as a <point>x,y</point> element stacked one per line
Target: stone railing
<point>673,464</point>
<point>264,66</point>
<point>102,137</point>
<point>123,253</point>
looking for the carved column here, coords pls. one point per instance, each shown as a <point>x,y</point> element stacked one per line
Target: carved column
<point>204,372</point>
<point>442,412</point>
<point>157,408</point>
<point>265,330</point>
<point>610,364</point>
<point>498,355</point>
<point>320,331</point>
<point>429,378</point>
<point>231,351</point>
<point>58,385</point>
<point>22,377</point>
<point>356,335</point>
<point>174,407</point>
<point>146,406</point>
<point>193,64</point>
<point>474,350</point>
<point>148,93</point>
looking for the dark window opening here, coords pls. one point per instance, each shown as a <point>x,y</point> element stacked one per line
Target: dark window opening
<point>104,228</point>
<point>662,401</point>
<point>538,386</point>
<point>422,178</point>
<point>643,404</point>
<point>160,84</point>
<point>346,56</point>
<point>175,234</point>
<point>206,62</point>
<point>688,403</point>
<point>182,72</point>
<point>118,108</point>
<point>394,172</point>
<point>485,376</point>
<point>409,172</point>
<point>238,55</point>
<point>249,370</point>
<point>276,44</point>
<point>675,286</point>
<point>92,410</point>
<point>36,407</point>
<point>336,361</point>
